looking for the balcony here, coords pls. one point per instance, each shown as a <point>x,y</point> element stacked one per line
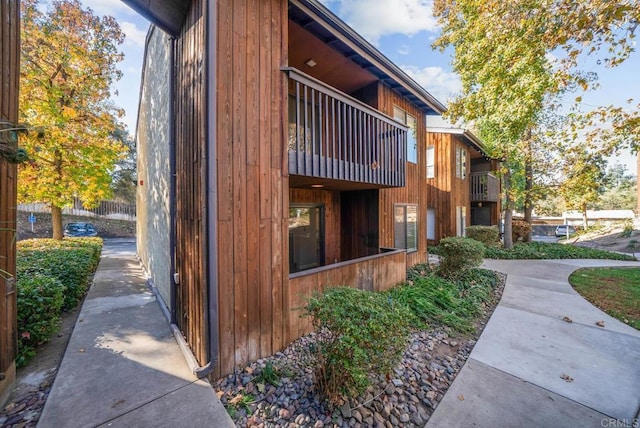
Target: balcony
<point>485,187</point>
<point>334,136</point>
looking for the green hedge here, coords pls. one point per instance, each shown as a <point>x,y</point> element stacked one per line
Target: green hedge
<point>459,254</point>
<point>71,266</point>
<point>362,333</point>
<point>93,244</point>
<point>40,300</point>
<point>543,250</point>
<point>488,235</point>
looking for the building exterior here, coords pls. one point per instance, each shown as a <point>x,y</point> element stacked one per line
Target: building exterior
<point>279,153</point>
<point>9,73</point>
<point>463,187</point>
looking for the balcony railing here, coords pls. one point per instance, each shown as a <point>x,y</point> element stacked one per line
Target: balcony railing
<point>332,135</point>
<point>485,187</point>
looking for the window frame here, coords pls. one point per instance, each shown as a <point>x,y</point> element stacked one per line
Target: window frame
<point>405,215</point>
<point>402,116</point>
<point>430,169</point>
<point>461,162</point>
<point>322,236</point>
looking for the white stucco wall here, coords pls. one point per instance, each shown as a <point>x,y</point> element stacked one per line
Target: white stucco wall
<point>152,142</point>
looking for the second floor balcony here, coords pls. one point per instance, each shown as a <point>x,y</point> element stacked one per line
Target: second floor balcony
<point>485,187</point>
<point>334,136</point>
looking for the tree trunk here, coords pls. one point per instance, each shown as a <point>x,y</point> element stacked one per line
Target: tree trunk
<point>508,211</point>
<point>56,222</point>
<point>585,222</point>
<point>528,185</point>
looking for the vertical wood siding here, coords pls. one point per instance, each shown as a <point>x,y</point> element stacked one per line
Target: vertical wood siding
<point>415,190</point>
<point>190,105</point>
<point>253,199</point>
<point>9,73</point>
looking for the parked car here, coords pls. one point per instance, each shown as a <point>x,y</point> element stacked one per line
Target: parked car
<point>79,230</point>
<point>562,230</point>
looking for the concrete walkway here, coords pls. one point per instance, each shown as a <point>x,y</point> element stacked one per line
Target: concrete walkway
<point>123,367</point>
<point>514,376</point>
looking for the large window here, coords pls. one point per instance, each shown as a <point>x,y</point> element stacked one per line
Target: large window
<point>431,223</point>
<point>461,221</point>
<point>461,162</point>
<point>306,237</point>
<point>431,161</point>
<point>412,142</point>
<point>406,227</point>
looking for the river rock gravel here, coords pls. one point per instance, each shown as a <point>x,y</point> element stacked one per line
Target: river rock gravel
<point>405,399</point>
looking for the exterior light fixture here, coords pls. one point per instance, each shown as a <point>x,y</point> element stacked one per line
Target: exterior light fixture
<point>310,62</point>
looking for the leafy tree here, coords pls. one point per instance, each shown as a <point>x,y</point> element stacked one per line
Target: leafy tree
<point>514,58</point>
<point>620,192</point>
<point>585,175</point>
<point>69,59</point>
<point>124,175</point>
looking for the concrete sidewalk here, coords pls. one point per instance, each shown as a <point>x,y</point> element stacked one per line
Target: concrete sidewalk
<point>123,367</point>
<point>514,376</point>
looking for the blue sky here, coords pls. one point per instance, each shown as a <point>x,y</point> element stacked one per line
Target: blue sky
<point>402,29</point>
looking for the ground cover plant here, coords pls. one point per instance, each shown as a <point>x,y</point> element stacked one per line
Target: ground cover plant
<point>52,276</point>
<point>544,250</point>
<point>614,290</point>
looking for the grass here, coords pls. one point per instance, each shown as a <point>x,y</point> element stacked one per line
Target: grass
<point>544,250</point>
<point>614,290</point>
<point>435,300</point>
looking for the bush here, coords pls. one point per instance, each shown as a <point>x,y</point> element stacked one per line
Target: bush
<point>361,333</point>
<point>40,300</point>
<point>93,244</point>
<point>488,235</point>
<point>520,230</point>
<point>459,254</point>
<point>543,250</point>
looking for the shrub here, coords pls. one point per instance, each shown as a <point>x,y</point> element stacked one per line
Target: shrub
<point>71,266</point>
<point>543,250</point>
<point>488,235</point>
<point>93,244</point>
<point>459,254</point>
<point>40,300</point>
<point>361,333</point>
<point>520,230</point>
<point>418,271</point>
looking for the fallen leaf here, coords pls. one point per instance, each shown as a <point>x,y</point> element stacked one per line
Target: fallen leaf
<point>219,394</point>
<point>81,350</point>
<point>461,397</point>
<point>236,399</point>
<point>260,387</point>
<point>600,323</point>
<point>567,319</point>
<point>566,377</point>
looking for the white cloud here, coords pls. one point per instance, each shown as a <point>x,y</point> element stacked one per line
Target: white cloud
<point>376,18</point>
<point>108,7</point>
<point>403,50</point>
<point>437,81</point>
<point>134,36</point>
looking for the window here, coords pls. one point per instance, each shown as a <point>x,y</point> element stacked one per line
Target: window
<point>461,221</point>
<point>306,237</point>
<point>461,162</point>
<point>431,223</point>
<point>412,143</point>
<point>431,161</point>
<point>406,227</point>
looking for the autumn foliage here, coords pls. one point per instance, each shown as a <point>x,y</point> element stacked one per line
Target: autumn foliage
<point>68,64</point>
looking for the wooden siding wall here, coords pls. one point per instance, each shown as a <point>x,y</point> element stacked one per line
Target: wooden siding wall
<point>376,273</point>
<point>9,72</point>
<point>415,189</point>
<point>440,187</point>
<point>460,190</point>
<point>253,198</point>
<point>332,229</point>
<point>190,105</point>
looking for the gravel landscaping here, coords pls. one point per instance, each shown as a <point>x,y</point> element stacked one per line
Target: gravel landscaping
<point>408,398</point>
